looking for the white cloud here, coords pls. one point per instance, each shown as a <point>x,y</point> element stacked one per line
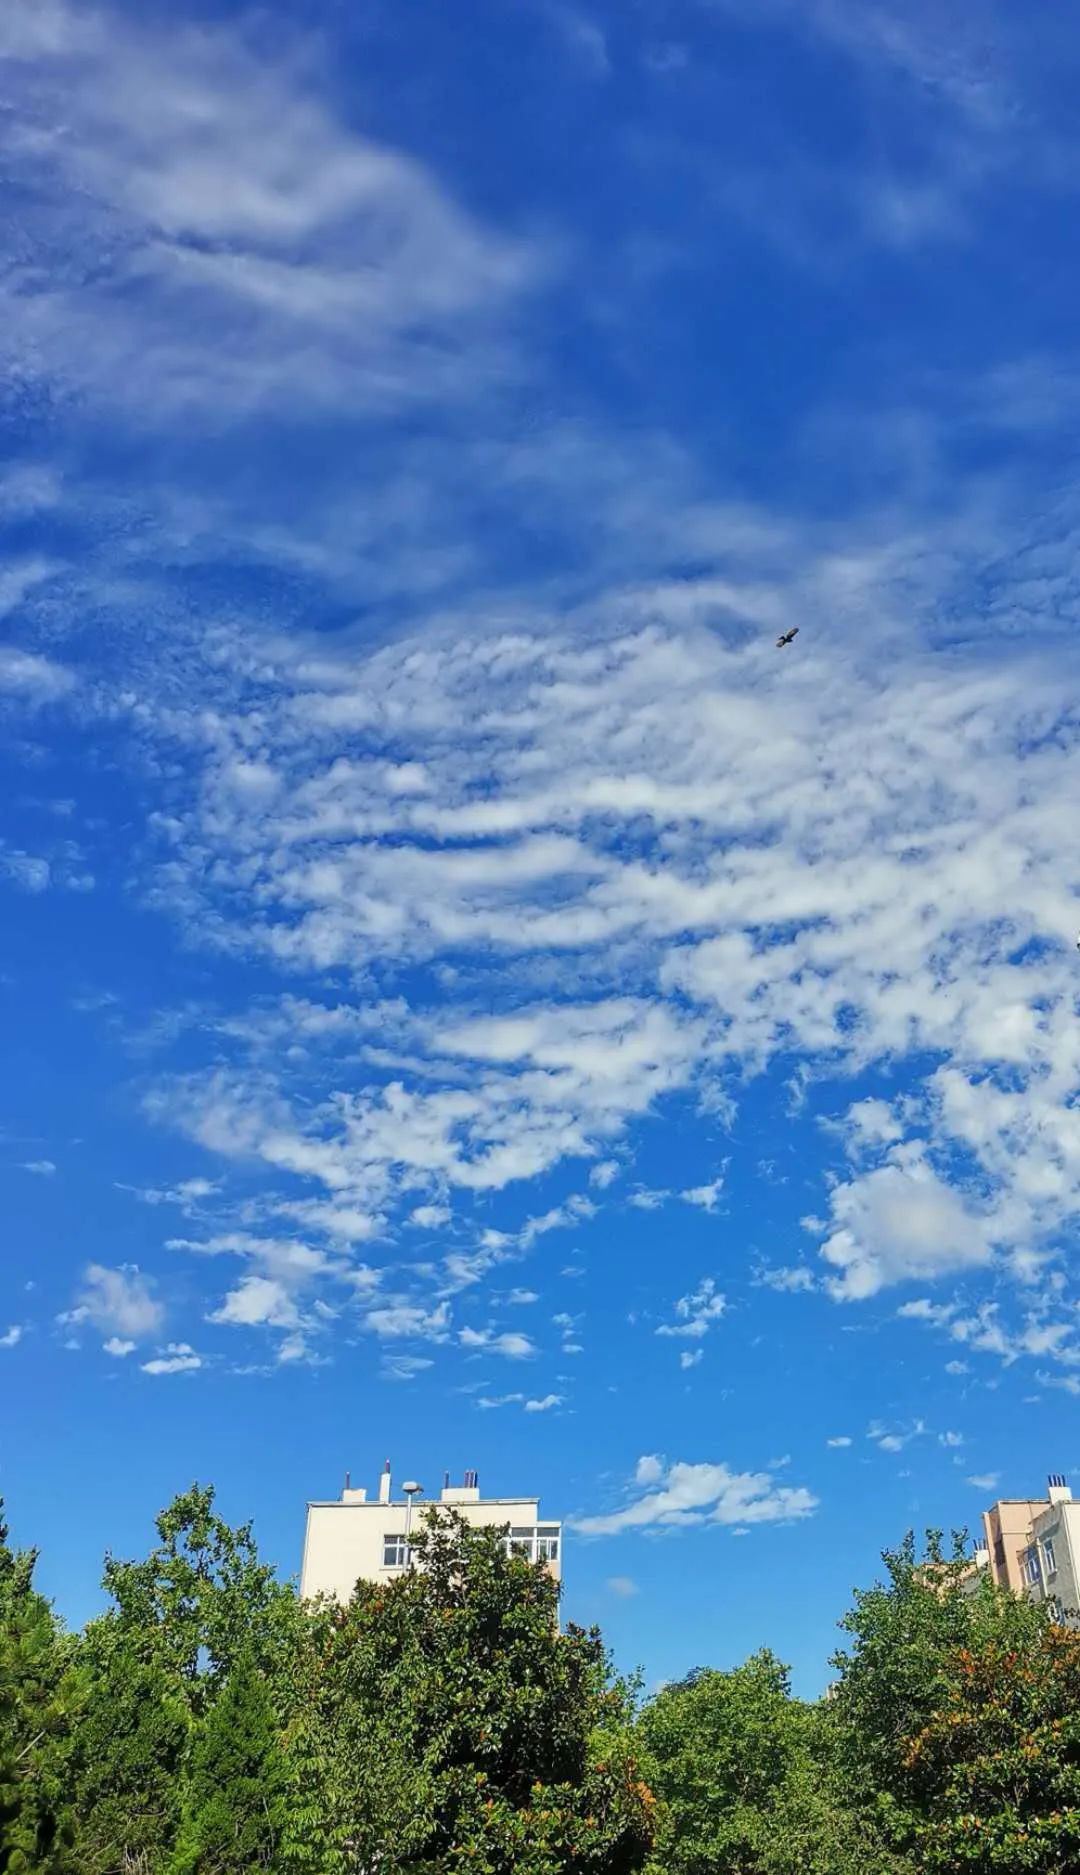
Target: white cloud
<point>186,1195</point>
<point>895,1439</point>
<point>705,1196</point>
<point>178,1358</point>
<point>544,1405</point>
<point>900,1223</point>
<point>515,1347</point>
<point>117,1302</point>
<point>646,1199</point>
<point>257,1302</point>
<point>692,1494</point>
<point>605,1173</point>
<point>29,871</point>
<point>430,1216</point>
<point>863,857</point>
<point>296,1350</point>
<point>840,1443</point>
<point>691,1357</point>
<point>326,266</point>
<point>11,1337</point>
<point>27,675</point>
<point>984,1480</point>
<point>747,880</point>
<point>789,1279</point>
<point>118,1347</point>
<point>696,1312</point>
<point>404,1366</point>
<point>870,1125</point>
<point>649,1469</point>
<point>1041,1333</point>
<point>394,1321</point>
<point>42,1168</point>
<point>623,1586</point>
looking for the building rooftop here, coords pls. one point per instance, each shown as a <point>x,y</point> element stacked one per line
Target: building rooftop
<point>468,1492</point>
<point>355,1501</point>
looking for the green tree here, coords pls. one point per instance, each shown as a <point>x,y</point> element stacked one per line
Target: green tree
<point>202,1598</point>
<point>890,1679</point>
<point>744,1772</point>
<point>155,1665</point>
<point>235,1785</point>
<point>998,1762</point>
<point>957,1715</point>
<point>129,1755</point>
<point>461,1730</point>
<point>38,1698</point>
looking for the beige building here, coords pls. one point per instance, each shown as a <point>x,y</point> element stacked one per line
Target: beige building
<point>1032,1546</point>
<point>354,1537</point>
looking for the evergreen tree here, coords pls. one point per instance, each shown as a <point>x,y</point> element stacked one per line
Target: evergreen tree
<point>156,1663</point>
<point>235,1784</point>
<point>129,1755</point>
<point>38,1697</point>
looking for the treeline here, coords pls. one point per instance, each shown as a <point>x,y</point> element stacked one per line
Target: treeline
<point>209,1722</point>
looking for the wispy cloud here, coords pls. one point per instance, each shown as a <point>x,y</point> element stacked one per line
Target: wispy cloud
<point>237,202</point>
<point>623,1586</point>
<point>697,1312</point>
<point>117,1302</point>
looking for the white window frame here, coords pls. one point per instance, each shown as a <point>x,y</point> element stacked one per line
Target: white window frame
<point>401,1550</point>
<point>1049,1556</point>
<point>1032,1571</point>
<point>521,1542</point>
<point>548,1541</point>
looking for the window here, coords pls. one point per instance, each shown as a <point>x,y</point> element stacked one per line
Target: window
<point>547,1543</point>
<point>395,1552</point>
<point>1049,1559</point>
<point>520,1543</point>
<point>1031,1565</point>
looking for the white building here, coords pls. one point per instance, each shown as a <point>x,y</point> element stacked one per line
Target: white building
<point>355,1537</point>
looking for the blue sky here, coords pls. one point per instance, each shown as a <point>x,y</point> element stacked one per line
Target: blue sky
<point>467,995</point>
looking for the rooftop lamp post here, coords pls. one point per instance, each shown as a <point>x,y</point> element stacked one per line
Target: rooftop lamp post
<point>411,1490</point>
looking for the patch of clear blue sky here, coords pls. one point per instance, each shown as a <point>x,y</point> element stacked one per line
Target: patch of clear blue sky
<point>810,267</point>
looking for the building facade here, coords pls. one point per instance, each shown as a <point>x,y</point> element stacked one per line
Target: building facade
<point>1032,1546</point>
<point>360,1538</point>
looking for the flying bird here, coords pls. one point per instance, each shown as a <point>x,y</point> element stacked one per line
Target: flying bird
<point>786,637</point>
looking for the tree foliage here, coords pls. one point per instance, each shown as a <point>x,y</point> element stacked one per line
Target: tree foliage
<point>209,1723</point>
<point>958,1711</point>
<point>38,1696</point>
<point>746,1775</point>
<point>466,1732</point>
